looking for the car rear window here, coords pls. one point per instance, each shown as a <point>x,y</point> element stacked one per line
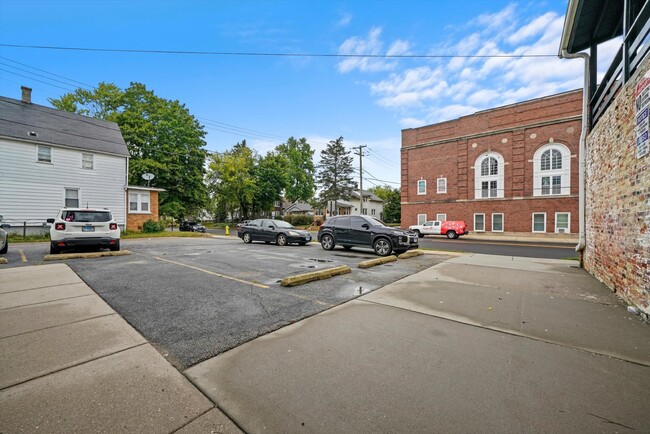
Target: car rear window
<point>86,216</point>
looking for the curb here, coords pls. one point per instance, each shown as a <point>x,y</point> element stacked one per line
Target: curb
<point>411,254</point>
<point>299,279</point>
<point>378,261</point>
<point>3,260</point>
<point>64,256</point>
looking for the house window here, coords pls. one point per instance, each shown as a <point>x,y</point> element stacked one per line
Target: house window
<point>422,186</point>
<point>87,161</point>
<point>441,217</point>
<point>365,211</point>
<point>552,170</point>
<point>488,177</point>
<point>422,219</point>
<point>562,222</point>
<point>372,211</point>
<point>44,154</point>
<point>539,222</point>
<point>71,199</point>
<point>442,185</point>
<point>479,222</point>
<point>497,222</point>
<point>139,202</point>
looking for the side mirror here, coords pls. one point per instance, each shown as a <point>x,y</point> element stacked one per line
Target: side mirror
<point>365,226</point>
<point>271,226</point>
<point>5,226</point>
<point>50,220</point>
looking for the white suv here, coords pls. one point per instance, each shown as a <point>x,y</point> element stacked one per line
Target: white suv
<point>77,227</point>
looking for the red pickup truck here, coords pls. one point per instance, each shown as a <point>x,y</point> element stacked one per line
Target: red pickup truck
<point>451,228</point>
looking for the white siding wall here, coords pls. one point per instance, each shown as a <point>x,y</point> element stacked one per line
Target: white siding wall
<point>33,192</point>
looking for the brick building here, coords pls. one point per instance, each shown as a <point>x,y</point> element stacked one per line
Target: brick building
<point>616,234</point>
<point>508,169</point>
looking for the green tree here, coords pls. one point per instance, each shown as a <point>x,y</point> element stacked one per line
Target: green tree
<point>392,198</point>
<point>231,178</point>
<point>271,178</point>
<point>335,173</point>
<point>299,168</point>
<point>162,136</point>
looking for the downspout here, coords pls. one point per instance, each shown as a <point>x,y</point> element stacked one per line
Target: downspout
<point>582,149</point>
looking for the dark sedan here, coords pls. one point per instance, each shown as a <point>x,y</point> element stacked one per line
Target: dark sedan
<point>273,231</point>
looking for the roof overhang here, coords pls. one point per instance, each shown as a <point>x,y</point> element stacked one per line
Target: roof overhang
<point>141,188</point>
<point>591,22</point>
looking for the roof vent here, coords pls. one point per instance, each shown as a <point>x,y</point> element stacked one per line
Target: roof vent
<point>32,134</point>
<point>27,94</point>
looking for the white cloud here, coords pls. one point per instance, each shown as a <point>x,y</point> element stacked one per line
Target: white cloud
<point>412,122</point>
<point>534,28</point>
<point>345,20</point>
<point>370,45</point>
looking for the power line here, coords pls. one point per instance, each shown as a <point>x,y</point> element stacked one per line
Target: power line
<point>259,54</point>
<point>48,72</point>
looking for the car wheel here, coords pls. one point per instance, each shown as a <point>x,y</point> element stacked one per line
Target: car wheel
<point>382,247</point>
<point>419,234</point>
<point>347,247</point>
<point>247,238</point>
<point>451,235</point>
<point>281,240</point>
<point>5,248</point>
<point>54,250</point>
<point>115,247</point>
<point>327,242</point>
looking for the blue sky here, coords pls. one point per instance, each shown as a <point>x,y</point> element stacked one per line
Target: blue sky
<point>266,99</point>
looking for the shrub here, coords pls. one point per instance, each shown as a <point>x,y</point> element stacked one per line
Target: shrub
<point>151,226</point>
<point>300,219</point>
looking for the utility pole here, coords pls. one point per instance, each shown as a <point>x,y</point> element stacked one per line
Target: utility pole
<point>360,154</point>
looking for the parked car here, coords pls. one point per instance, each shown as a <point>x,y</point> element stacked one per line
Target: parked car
<point>364,231</point>
<point>451,228</point>
<point>191,226</point>
<point>4,240</point>
<point>269,231</point>
<point>83,227</point>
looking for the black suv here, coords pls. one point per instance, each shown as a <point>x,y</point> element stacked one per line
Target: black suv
<point>191,226</point>
<point>364,231</point>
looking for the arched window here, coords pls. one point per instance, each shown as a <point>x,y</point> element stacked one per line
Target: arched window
<point>552,170</point>
<point>488,177</point>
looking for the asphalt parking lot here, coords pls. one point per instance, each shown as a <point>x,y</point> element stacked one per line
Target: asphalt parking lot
<point>194,298</point>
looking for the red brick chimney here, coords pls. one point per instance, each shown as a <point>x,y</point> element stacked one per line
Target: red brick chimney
<point>27,94</point>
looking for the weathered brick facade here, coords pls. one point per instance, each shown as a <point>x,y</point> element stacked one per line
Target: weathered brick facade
<point>515,133</point>
<point>134,221</point>
<point>618,202</point>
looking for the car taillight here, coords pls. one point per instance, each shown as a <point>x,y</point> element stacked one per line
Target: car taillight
<point>112,226</point>
<point>59,226</point>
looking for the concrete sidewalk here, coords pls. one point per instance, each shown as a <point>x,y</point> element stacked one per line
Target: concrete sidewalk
<point>71,364</point>
<point>478,343</point>
<point>475,344</point>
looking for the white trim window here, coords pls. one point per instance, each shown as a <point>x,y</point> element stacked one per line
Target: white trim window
<point>488,176</point>
<point>562,222</point>
<point>139,202</point>
<point>422,187</point>
<point>539,222</point>
<point>552,170</point>
<point>422,219</point>
<point>441,217</point>
<point>497,222</point>
<point>87,161</point>
<point>479,222</point>
<point>44,154</point>
<point>71,198</point>
<point>441,186</point>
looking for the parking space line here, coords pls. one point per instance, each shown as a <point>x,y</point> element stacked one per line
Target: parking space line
<point>259,285</point>
<point>23,258</point>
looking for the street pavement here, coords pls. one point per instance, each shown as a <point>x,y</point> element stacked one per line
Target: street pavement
<point>478,343</point>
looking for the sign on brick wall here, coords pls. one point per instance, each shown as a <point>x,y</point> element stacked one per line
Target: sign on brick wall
<point>642,104</point>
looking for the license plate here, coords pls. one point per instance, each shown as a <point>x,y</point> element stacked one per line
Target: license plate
<point>88,229</point>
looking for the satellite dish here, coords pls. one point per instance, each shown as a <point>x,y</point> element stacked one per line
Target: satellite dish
<point>148,176</point>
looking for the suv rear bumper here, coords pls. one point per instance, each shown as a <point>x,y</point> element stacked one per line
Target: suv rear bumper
<point>81,242</point>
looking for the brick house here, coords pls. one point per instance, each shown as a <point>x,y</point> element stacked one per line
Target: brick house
<point>615,232</point>
<point>142,205</point>
<point>508,169</point>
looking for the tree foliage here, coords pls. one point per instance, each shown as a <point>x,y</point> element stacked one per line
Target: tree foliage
<point>392,198</point>
<point>335,172</point>
<point>271,178</point>
<point>162,136</point>
<point>299,168</point>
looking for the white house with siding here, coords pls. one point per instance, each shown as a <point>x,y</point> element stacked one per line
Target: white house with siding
<point>51,158</point>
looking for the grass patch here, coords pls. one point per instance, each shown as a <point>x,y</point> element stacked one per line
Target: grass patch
<point>164,234</point>
<point>17,238</point>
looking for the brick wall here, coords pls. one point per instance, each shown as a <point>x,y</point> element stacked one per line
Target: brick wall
<point>134,222</point>
<point>618,202</point>
<point>516,132</point>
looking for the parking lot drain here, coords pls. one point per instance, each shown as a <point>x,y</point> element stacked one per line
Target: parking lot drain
<point>377,261</point>
<point>300,279</point>
<point>64,256</point>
